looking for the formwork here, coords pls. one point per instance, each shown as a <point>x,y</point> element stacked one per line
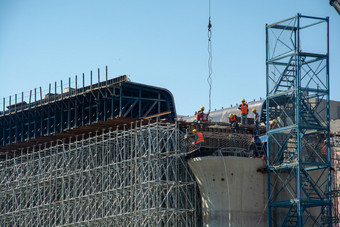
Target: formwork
<point>130,177</point>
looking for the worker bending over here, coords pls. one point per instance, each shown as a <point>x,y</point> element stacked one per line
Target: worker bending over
<point>244,112</point>
<point>233,120</point>
<point>256,122</point>
<point>199,140</point>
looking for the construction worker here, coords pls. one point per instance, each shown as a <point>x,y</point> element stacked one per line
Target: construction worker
<point>273,124</point>
<point>244,112</point>
<point>200,114</point>
<point>324,148</point>
<point>233,120</point>
<point>256,122</point>
<point>199,140</point>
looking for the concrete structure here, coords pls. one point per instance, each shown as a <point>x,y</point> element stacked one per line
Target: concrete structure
<point>222,114</point>
<point>335,126</point>
<point>260,106</point>
<point>89,165</point>
<point>335,151</point>
<point>233,191</point>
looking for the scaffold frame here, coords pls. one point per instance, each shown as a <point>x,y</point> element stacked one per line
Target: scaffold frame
<point>298,124</point>
<point>132,177</point>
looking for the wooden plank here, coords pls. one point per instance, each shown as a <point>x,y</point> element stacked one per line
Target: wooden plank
<point>157,115</point>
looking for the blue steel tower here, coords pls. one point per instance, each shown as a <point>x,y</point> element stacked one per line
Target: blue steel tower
<point>298,128</point>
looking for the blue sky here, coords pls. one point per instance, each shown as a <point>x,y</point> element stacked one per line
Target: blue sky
<point>160,43</point>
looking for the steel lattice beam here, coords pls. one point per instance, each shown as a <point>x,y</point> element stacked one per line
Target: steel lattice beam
<point>43,113</point>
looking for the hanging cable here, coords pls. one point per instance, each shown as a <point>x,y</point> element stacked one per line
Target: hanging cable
<point>209,58</point>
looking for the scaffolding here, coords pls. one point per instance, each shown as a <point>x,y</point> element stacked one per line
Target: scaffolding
<point>299,176</point>
<point>223,139</point>
<point>130,177</point>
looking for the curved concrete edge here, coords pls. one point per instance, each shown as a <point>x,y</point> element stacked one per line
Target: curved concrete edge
<point>233,192</point>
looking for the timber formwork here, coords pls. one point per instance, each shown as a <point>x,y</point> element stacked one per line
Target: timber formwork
<point>299,165</point>
<point>63,106</point>
<point>128,177</point>
<point>224,140</point>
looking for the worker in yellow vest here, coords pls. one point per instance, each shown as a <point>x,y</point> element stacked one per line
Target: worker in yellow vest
<point>244,112</point>
<point>199,140</point>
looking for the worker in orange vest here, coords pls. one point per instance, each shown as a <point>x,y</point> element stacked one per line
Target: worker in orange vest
<point>199,140</point>
<point>244,112</point>
<point>273,124</point>
<point>324,148</point>
<point>233,120</point>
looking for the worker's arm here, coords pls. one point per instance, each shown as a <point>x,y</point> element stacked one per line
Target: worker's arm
<point>196,136</point>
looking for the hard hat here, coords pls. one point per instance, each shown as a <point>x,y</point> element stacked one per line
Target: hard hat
<point>254,110</point>
<point>243,100</point>
<point>202,108</point>
<point>234,114</point>
<point>231,115</point>
<point>274,120</point>
<point>194,131</point>
<point>325,141</point>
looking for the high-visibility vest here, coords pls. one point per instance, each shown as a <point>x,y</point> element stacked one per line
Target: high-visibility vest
<point>244,108</point>
<point>232,119</point>
<point>200,138</point>
<point>324,150</point>
<point>199,115</point>
<point>272,126</point>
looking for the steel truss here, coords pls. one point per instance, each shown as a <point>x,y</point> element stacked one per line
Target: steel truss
<point>40,112</point>
<point>132,177</point>
<point>299,178</point>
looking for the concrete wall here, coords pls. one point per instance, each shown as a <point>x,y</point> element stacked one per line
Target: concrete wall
<point>334,109</point>
<point>233,192</point>
<point>335,126</point>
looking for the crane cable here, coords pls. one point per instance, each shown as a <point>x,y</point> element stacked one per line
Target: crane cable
<point>210,58</point>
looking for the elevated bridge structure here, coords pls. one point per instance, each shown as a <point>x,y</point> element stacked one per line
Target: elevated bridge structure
<point>35,114</point>
<point>106,154</point>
